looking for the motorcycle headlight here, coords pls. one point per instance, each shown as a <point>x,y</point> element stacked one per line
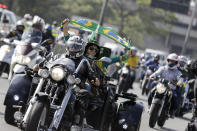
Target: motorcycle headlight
<point>8,50</point>
<point>71,79</point>
<point>16,97</point>
<point>161,89</point>
<point>44,73</point>
<point>26,60</point>
<point>57,73</point>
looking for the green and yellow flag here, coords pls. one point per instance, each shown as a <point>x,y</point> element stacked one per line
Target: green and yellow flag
<point>95,28</point>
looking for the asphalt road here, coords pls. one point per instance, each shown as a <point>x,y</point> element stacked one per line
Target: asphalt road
<point>176,124</point>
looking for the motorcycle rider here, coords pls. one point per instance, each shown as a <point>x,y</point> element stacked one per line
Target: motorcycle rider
<point>172,74</point>
<point>27,20</point>
<point>17,33</point>
<point>132,63</point>
<point>152,63</point>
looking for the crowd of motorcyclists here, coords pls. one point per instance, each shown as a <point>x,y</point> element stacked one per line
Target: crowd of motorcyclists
<point>170,87</point>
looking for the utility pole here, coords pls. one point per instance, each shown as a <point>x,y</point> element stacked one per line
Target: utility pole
<point>189,29</point>
<point>101,19</point>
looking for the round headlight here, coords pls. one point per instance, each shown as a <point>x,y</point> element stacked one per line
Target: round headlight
<point>71,79</point>
<point>161,89</point>
<point>57,73</point>
<point>26,60</point>
<point>44,73</point>
<point>16,97</point>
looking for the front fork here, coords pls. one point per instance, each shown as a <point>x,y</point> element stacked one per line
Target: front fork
<point>60,111</point>
<point>33,100</point>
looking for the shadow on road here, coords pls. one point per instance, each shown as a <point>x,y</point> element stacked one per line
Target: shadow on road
<point>184,118</point>
<point>165,129</point>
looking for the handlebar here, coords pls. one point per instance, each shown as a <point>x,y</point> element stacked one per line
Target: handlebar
<point>81,63</point>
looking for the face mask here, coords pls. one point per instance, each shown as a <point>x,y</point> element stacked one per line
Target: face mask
<point>171,64</point>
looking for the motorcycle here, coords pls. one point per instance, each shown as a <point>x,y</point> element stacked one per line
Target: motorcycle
<point>6,52</point>
<point>125,77</point>
<point>184,103</point>
<point>50,105</point>
<point>26,53</point>
<point>160,104</point>
<point>18,92</point>
<point>146,83</point>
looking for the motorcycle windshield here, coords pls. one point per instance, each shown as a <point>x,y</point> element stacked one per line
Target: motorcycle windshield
<point>29,36</point>
<point>23,49</point>
<point>67,63</point>
<point>32,36</point>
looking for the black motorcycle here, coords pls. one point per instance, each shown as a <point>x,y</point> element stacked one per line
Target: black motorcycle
<point>146,83</point>
<point>18,91</point>
<point>160,104</point>
<point>126,76</point>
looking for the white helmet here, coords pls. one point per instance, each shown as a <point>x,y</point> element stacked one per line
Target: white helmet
<point>182,62</point>
<point>38,21</point>
<point>20,23</point>
<point>183,59</point>
<point>134,49</point>
<point>27,16</point>
<point>173,57</point>
<point>75,47</point>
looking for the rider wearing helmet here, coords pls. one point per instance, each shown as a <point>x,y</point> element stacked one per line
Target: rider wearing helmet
<point>17,33</point>
<point>182,63</point>
<point>27,20</point>
<point>154,62</point>
<point>172,74</point>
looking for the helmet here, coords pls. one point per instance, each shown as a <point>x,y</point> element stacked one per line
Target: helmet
<point>173,57</point>
<point>91,43</point>
<point>38,22</point>
<point>156,57</point>
<point>20,26</point>
<point>27,16</point>
<point>20,23</point>
<point>134,50</point>
<point>182,62</point>
<point>183,59</point>
<point>55,23</point>
<point>75,47</point>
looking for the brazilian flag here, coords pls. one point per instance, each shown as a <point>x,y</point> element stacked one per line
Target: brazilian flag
<point>95,28</point>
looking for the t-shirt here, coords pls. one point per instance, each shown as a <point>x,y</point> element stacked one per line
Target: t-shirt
<point>132,62</point>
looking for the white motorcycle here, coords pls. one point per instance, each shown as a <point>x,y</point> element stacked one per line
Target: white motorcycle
<point>6,52</point>
<point>26,53</point>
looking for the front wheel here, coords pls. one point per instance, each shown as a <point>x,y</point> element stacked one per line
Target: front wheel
<point>37,118</point>
<point>144,82</point>
<point>9,115</point>
<point>153,115</point>
<point>162,118</point>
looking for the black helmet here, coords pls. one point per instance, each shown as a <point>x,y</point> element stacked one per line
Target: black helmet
<point>75,47</point>
<point>91,43</point>
<point>156,57</point>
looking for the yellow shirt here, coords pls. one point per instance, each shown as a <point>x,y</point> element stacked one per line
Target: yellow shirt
<point>132,62</point>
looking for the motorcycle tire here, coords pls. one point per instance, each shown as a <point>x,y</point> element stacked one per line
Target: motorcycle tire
<point>162,118</point>
<point>38,112</point>
<point>9,115</point>
<point>153,115</point>
<point>147,87</point>
<point>144,86</point>
<point>179,109</point>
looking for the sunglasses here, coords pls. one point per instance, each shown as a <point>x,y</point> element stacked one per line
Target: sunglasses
<point>92,48</point>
